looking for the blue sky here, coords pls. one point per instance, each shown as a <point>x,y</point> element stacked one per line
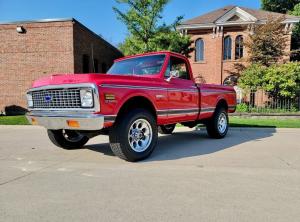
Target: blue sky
<point>99,16</point>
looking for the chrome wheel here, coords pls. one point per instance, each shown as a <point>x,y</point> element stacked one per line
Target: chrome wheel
<point>72,136</point>
<point>222,123</point>
<point>140,135</point>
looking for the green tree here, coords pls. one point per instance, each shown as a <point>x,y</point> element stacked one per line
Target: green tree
<point>146,30</point>
<point>279,80</point>
<point>252,78</point>
<point>295,41</point>
<point>268,42</point>
<point>282,80</point>
<point>281,6</point>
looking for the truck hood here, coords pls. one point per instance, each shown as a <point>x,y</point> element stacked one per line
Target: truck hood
<point>59,79</point>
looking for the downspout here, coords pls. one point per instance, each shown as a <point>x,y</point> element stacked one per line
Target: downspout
<point>222,58</point>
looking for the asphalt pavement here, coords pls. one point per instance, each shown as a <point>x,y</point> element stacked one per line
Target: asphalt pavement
<point>251,175</point>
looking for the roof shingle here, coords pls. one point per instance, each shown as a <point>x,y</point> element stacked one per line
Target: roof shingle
<point>213,16</point>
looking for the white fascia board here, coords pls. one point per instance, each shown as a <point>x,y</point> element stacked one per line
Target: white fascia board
<point>245,16</point>
<point>195,26</point>
<point>287,21</point>
<point>212,25</point>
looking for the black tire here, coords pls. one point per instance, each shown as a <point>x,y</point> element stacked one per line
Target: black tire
<point>119,135</point>
<point>166,129</point>
<point>67,139</point>
<point>212,126</point>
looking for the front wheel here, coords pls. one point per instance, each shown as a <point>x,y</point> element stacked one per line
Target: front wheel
<point>217,126</point>
<point>134,135</point>
<point>67,139</point>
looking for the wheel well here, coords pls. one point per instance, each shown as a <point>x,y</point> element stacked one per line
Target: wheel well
<point>222,103</point>
<point>137,102</point>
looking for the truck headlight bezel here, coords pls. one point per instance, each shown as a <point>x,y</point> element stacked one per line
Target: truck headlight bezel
<point>29,100</point>
<point>87,98</point>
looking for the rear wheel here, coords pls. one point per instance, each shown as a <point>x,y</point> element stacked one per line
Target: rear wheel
<point>166,129</point>
<point>134,137</point>
<point>67,139</point>
<point>217,126</point>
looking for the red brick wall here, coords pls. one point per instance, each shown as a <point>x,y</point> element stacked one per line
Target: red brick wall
<point>213,69</point>
<point>210,68</point>
<point>87,42</point>
<point>44,49</point>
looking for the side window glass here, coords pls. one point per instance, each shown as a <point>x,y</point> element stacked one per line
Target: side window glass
<point>179,65</point>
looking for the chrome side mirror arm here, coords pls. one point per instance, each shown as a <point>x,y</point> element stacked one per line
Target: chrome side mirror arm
<point>173,74</point>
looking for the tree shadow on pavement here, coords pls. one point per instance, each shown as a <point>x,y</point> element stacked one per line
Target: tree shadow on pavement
<point>194,143</point>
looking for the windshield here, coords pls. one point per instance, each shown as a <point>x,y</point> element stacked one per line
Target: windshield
<point>145,65</point>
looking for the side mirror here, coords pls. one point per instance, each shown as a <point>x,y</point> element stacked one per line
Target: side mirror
<point>173,74</point>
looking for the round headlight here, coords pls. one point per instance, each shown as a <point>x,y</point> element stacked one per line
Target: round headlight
<point>86,96</point>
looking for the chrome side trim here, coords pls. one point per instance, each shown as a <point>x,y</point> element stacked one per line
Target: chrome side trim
<point>94,87</point>
<point>207,110</point>
<point>217,91</point>
<point>195,111</point>
<point>169,112</point>
<point>149,88</point>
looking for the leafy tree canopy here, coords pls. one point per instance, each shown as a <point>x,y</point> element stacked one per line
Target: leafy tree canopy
<point>282,80</point>
<point>296,10</point>
<point>279,80</point>
<point>268,42</point>
<point>252,77</point>
<point>295,41</point>
<point>281,6</point>
<point>146,30</point>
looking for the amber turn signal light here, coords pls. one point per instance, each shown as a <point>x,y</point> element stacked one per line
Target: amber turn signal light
<point>34,121</point>
<point>73,123</point>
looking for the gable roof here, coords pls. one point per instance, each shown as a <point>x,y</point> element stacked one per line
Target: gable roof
<point>209,17</point>
<point>247,14</point>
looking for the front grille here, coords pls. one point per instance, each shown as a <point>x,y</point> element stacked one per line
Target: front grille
<point>56,99</point>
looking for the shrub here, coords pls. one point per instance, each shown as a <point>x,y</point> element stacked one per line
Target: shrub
<point>279,80</point>
<point>242,108</point>
<point>252,77</point>
<point>282,80</point>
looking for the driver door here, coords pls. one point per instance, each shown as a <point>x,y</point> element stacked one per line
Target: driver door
<point>183,95</point>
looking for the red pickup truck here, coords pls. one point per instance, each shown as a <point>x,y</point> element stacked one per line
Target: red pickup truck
<point>138,97</point>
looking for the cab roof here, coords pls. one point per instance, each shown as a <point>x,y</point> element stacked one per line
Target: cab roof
<point>150,53</point>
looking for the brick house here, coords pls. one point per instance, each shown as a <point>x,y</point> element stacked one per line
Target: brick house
<point>32,49</point>
<point>218,38</point>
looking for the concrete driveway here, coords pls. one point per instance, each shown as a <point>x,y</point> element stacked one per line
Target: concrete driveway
<point>251,175</point>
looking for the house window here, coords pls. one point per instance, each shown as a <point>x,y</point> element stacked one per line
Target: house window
<point>85,63</point>
<point>96,69</point>
<point>239,47</point>
<point>199,52</point>
<point>227,48</point>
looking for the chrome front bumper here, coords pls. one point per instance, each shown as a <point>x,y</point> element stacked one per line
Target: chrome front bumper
<point>61,120</point>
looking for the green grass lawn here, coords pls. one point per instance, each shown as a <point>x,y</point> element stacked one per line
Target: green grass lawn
<point>234,122</point>
<point>13,120</point>
<point>274,123</point>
